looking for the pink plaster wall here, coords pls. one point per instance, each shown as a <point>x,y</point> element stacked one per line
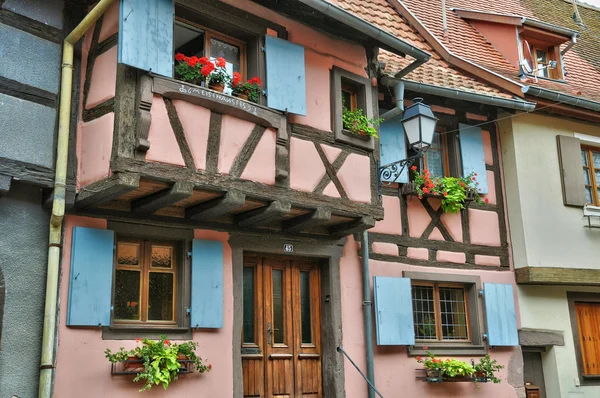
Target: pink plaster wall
<point>110,22</point>
<point>484,227</point>
<point>355,176</point>
<point>84,346</point>
<point>94,147</point>
<point>453,224</point>
<point>502,36</point>
<point>487,147</point>
<point>331,152</point>
<point>261,166</point>
<point>385,248</point>
<point>418,253</point>
<point>392,220</point>
<point>163,144</point>
<point>104,78</point>
<point>493,261</point>
<point>331,190</point>
<point>491,195</point>
<point>234,133</point>
<point>306,166</point>
<point>451,257</point>
<point>195,121</point>
<point>394,369</point>
<point>418,219</point>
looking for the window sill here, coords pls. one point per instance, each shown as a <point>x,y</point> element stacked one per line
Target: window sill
<point>446,349</point>
<point>219,102</point>
<point>154,333</point>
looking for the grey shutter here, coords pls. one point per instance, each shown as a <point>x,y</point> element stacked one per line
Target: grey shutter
<point>571,170</point>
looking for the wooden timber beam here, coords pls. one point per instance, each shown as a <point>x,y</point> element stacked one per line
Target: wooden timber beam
<point>318,217</point>
<point>264,215</point>
<point>557,276</point>
<point>152,203</point>
<point>4,184</point>
<point>106,190</point>
<point>351,227</point>
<point>214,208</point>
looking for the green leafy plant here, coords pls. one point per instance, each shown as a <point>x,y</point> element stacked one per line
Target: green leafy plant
<point>160,360</point>
<point>452,190</point>
<point>487,368</point>
<point>358,123</point>
<point>447,368</point>
<point>251,88</point>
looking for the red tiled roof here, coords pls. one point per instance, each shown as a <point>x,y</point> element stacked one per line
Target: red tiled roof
<point>436,71</point>
<point>582,62</point>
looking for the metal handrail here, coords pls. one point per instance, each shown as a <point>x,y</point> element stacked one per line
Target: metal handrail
<point>340,349</point>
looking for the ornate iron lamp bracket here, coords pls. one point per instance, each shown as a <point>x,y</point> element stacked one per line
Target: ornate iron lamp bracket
<point>392,171</point>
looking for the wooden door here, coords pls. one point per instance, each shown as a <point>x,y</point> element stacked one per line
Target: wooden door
<point>281,350</point>
<point>533,373</point>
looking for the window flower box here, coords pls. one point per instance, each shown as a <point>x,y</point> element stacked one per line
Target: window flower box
<point>452,370</point>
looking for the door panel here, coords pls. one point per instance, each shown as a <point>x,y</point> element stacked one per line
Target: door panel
<point>281,346</point>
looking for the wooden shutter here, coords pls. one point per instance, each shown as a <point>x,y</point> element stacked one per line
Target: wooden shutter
<point>588,321</point>
<point>472,156</point>
<point>500,315</point>
<point>91,275</point>
<point>207,284</point>
<point>393,311</point>
<point>393,145</point>
<point>146,35</point>
<point>571,171</point>
<point>286,85</point>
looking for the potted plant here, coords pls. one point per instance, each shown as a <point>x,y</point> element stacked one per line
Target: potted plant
<point>486,368</point>
<point>158,362</point>
<point>217,75</point>
<point>249,90</point>
<point>453,191</point>
<point>356,122</point>
<point>437,370</point>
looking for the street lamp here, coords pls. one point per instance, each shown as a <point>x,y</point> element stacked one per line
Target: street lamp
<point>419,123</point>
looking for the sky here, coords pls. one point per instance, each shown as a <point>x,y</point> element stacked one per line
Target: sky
<point>592,2</point>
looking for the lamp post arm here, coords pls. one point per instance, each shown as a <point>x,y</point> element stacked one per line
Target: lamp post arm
<point>392,171</point>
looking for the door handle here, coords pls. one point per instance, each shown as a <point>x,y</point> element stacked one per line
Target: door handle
<point>269,332</point>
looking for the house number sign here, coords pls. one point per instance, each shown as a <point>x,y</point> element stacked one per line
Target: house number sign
<point>288,248</point>
<point>224,99</point>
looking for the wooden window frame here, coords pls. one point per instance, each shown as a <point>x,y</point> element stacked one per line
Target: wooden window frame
<point>573,298</point>
<point>475,316</point>
<point>445,154</point>
<point>438,312</point>
<point>211,33</point>
<point>353,95</point>
<point>590,167</point>
<point>553,54</point>
<point>182,238</point>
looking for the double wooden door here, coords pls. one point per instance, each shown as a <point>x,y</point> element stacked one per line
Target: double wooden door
<point>281,338</point>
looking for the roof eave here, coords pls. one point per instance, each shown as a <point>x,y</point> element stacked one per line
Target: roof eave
<point>563,98</point>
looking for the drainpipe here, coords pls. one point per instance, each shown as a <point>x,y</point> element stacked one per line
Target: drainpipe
<point>367,305</point>
<point>58,204</point>
<point>399,96</point>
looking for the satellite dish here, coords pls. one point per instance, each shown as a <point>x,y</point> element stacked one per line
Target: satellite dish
<point>527,61</point>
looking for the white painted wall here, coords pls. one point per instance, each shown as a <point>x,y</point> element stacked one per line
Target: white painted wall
<point>544,232</point>
<point>546,307</point>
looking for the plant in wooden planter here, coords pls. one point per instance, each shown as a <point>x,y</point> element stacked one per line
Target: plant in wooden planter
<point>217,76</point>
<point>486,368</point>
<point>158,362</point>
<point>249,90</point>
<point>356,122</point>
<point>438,369</point>
<point>453,191</point>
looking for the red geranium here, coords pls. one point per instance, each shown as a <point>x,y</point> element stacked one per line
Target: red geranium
<point>192,61</point>
<point>236,78</point>
<point>167,341</point>
<point>413,168</point>
<point>180,57</point>
<point>255,80</point>
<point>486,200</point>
<point>207,69</point>
<point>204,60</point>
<point>221,63</point>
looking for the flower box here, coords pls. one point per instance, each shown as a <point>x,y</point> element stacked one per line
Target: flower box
<point>410,189</point>
<point>436,376</point>
<point>135,365</point>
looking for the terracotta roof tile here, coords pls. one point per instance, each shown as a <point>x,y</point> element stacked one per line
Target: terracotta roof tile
<point>436,71</point>
<point>582,62</point>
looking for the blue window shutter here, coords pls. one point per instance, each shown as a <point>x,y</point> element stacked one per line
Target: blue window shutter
<point>146,35</point>
<point>393,145</point>
<point>207,284</point>
<point>500,315</point>
<point>286,79</point>
<point>393,311</point>
<point>471,151</point>
<point>91,276</point>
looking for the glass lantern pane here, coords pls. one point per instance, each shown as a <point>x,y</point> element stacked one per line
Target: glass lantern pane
<point>427,129</point>
<point>162,256</point>
<point>127,295</point>
<point>411,127</point>
<point>160,296</point>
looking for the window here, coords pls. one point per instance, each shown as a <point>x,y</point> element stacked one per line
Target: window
<point>350,91</point>
<point>447,314</point>
<point>436,159</point>
<point>440,312</point>
<point>545,57</point>
<point>540,62</point>
<point>584,310</point>
<point>590,158</point>
<point>145,282</point>
<point>190,39</point>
